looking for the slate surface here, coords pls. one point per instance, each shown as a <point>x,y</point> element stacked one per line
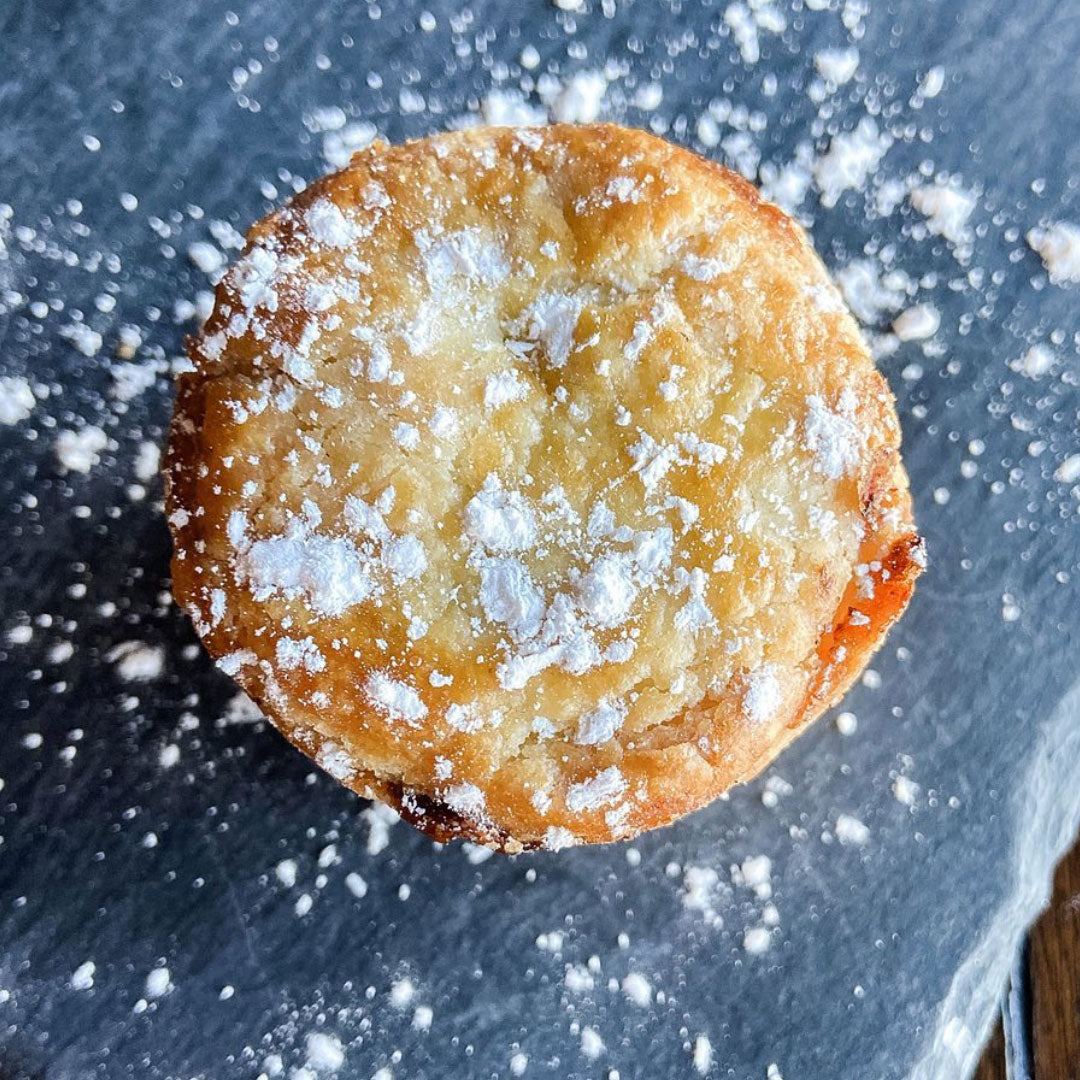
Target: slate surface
<point>889,956</point>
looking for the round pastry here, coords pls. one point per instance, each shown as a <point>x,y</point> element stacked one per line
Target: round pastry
<point>537,482</point>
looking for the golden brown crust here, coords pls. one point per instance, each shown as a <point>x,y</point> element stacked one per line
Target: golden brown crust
<point>537,482</point>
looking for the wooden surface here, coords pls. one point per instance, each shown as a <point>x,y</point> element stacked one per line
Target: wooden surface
<point>1053,987</point>
<point>992,1066</point>
<point>1055,979</point>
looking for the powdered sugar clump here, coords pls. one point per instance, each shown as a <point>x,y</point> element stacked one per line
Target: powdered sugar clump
<point>510,597</point>
<point>16,399</point>
<point>850,159</point>
<point>947,209</point>
<point>1058,246</point>
<point>158,983</point>
<point>869,293</point>
<point>502,388</point>
<point>579,99</point>
<point>637,989</point>
<point>917,323</point>
<point>763,695</point>
<point>79,451</point>
<point>837,66</point>
<point>608,591</point>
<point>599,725</point>
<point>339,144</point>
<point>1068,472</point>
<point>394,698</point>
<point>329,573</point>
<point>833,436</point>
<point>1035,363</point>
<point>467,255</point>
<point>703,1055</point>
<point>850,830</point>
<point>551,320</point>
<point>293,653</point>
<point>327,225</point>
<point>137,661</point>
<point>87,340</point>
<point>466,799</point>
<point>500,520</point>
<point>324,1052</point>
<point>598,791</point>
<point>746,19</point>
<point>508,108</point>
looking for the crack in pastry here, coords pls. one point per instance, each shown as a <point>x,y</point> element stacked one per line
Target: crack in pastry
<point>537,482</point>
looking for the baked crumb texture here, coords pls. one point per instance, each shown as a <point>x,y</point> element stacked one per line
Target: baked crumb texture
<point>537,482</point>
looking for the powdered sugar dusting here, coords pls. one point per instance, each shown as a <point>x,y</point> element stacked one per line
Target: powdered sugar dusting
<point>833,436</point>
<point>598,791</point>
<point>394,698</point>
<point>763,696</point>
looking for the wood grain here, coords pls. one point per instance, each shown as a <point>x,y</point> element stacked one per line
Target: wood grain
<point>992,1066</point>
<point>1055,978</point>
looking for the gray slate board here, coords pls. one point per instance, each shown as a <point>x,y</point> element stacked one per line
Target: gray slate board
<point>889,956</point>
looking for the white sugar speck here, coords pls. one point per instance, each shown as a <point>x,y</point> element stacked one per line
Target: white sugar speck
<point>580,98</point>
<point>500,520</point>
<point>1058,246</point>
<point>905,791</point>
<point>324,1052</point>
<point>158,983</point>
<point>502,388</point>
<point>947,210</point>
<point>402,991</point>
<point>837,66</point>
<point>846,723</point>
<point>285,872</point>
<point>82,978</point>
<point>757,940</point>
<point>169,756</point>
<point>703,1055</point>
<point>637,989</point>
<point>592,1046</point>
<point>79,451</point>
<point>933,82</point>
<point>551,941</point>
<point>850,830</point>
<point>1068,472</point>
<point>356,885</point>
<point>850,159</point>
<point>599,790</point>
<point>395,699</point>
<point>136,661</point>
<point>206,256</point>
<point>16,399</point>
<point>1035,363</point>
<point>763,695</point>
<point>917,323</point>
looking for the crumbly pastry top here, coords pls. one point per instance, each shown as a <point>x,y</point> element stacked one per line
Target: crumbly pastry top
<point>537,482</point>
